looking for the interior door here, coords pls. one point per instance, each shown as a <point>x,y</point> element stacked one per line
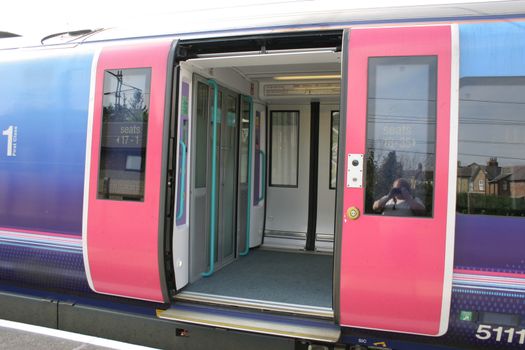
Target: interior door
<point>214,183</point>
<point>201,187</point>
<point>399,178</point>
<point>258,174</point>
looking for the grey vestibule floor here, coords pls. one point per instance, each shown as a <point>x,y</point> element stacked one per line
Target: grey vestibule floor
<point>278,276</point>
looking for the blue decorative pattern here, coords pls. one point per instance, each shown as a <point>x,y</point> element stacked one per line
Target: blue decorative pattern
<point>44,261</point>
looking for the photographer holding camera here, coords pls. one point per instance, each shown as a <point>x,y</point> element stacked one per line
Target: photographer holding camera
<point>399,201</point>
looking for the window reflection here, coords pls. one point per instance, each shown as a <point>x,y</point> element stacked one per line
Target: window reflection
<point>124,134</point>
<point>491,164</point>
<point>401,129</point>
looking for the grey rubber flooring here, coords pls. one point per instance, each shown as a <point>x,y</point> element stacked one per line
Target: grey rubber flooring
<point>285,277</point>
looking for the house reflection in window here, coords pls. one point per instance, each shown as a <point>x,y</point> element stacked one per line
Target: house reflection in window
<point>491,167</point>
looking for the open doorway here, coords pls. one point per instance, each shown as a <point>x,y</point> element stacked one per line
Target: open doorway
<point>262,170</point>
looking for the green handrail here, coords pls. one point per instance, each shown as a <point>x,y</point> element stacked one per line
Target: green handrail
<point>263,179</point>
<point>249,200</point>
<point>213,178</point>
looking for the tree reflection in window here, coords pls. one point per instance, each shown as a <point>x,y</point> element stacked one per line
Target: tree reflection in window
<point>124,134</point>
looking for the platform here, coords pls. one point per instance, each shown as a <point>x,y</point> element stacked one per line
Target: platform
<point>20,336</point>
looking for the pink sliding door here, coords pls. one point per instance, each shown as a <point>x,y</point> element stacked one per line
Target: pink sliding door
<point>123,236</point>
<point>399,183</point>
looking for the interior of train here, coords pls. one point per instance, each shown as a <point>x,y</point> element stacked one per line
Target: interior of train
<point>287,198</point>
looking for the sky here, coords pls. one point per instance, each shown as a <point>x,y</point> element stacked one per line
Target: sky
<point>41,18</point>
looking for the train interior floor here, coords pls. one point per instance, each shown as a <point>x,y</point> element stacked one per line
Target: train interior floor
<point>298,278</point>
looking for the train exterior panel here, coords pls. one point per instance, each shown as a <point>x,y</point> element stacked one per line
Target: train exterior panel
<point>115,154</point>
<point>45,119</point>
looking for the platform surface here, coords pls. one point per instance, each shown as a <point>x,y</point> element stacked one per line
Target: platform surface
<point>19,336</point>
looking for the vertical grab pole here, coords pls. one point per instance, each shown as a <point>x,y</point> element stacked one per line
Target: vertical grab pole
<point>249,200</point>
<point>213,178</point>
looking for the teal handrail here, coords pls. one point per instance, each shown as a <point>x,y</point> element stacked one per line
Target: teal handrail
<point>249,200</point>
<point>263,177</point>
<point>213,178</point>
<point>180,209</point>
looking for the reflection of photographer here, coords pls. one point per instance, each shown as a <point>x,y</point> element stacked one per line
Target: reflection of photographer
<point>399,201</point>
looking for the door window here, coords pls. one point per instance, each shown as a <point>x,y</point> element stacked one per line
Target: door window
<point>201,147</point>
<point>334,148</point>
<point>124,134</point>
<point>401,135</point>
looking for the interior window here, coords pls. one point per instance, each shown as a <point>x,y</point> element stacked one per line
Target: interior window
<point>244,141</point>
<point>284,148</point>
<point>491,165</point>
<point>401,135</point>
<point>124,134</point>
<point>201,147</point>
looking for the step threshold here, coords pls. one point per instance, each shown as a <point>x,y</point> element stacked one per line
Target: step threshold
<point>285,308</point>
<point>254,322</point>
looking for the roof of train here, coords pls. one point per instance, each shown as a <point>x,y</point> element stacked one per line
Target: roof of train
<point>289,16</point>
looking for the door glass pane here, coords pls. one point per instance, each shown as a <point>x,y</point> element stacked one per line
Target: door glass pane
<point>401,136</point>
<point>124,134</point>
<point>244,142</point>
<point>201,145</point>
<point>334,140</point>
<point>244,134</point>
<point>183,151</point>
<point>284,131</point>
<point>257,159</point>
<point>229,178</point>
<point>491,164</point>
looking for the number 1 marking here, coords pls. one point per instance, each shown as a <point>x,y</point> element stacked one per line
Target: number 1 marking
<point>510,332</point>
<point>9,133</point>
<point>522,336</point>
<point>499,333</point>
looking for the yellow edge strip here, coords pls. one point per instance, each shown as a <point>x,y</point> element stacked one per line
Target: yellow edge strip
<point>249,329</point>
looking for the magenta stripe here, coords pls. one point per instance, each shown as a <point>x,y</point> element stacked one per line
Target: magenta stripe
<point>489,273</point>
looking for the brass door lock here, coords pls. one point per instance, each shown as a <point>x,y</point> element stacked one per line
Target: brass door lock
<point>353,213</point>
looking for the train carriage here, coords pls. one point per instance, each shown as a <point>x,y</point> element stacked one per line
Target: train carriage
<point>348,179</point>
